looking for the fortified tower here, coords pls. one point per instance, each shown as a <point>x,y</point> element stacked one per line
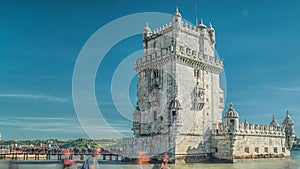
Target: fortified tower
<point>180,103</point>
<point>179,92</point>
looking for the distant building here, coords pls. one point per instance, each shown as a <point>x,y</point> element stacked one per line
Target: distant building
<point>180,102</point>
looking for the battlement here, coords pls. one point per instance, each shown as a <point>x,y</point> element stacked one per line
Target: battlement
<point>184,26</point>
<point>163,29</point>
<point>250,129</point>
<point>152,58</point>
<point>183,54</point>
<point>193,30</point>
<point>190,53</point>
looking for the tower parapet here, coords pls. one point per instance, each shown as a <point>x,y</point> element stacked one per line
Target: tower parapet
<point>180,41</point>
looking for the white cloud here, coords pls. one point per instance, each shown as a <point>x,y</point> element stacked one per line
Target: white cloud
<point>32,96</point>
<point>44,124</point>
<point>43,118</point>
<point>284,88</point>
<point>62,125</point>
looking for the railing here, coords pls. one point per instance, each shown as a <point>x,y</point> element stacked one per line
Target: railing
<point>55,156</point>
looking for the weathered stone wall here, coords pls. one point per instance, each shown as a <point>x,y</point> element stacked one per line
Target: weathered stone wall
<point>249,141</point>
<point>221,147</point>
<point>259,146</point>
<point>196,124</point>
<point>153,145</point>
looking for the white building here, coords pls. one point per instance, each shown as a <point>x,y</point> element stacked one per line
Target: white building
<point>180,101</point>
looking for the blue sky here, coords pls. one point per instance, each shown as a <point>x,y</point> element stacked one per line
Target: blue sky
<point>41,40</point>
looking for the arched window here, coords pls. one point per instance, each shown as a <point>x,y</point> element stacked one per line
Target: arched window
<point>196,73</point>
<point>155,73</point>
<point>154,115</point>
<point>232,122</point>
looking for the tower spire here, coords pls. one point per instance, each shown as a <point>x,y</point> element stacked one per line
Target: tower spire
<point>177,13</point>
<point>201,25</point>
<point>274,123</point>
<point>176,18</point>
<point>147,31</point>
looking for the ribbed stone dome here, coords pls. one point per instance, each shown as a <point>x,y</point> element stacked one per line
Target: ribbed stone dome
<point>146,28</point>
<point>201,24</point>
<point>288,120</point>
<point>177,13</point>
<point>274,122</point>
<point>231,113</point>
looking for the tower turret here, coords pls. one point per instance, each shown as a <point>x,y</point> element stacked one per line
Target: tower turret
<point>274,123</point>
<point>176,18</point>
<point>212,35</point>
<point>147,31</point>
<point>146,35</point>
<point>288,124</point>
<point>231,119</point>
<point>201,25</point>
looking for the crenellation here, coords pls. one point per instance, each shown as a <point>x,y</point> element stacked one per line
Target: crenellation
<point>258,129</point>
<point>184,24</point>
<point>192,29</point>
<point>186,52</point>
<point>161,30</point>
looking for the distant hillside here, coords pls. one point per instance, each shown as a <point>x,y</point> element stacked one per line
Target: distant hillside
<point>108,142</point>
<point>79,143</point>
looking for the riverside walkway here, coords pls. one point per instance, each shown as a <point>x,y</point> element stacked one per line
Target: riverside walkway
<point>23,155</point>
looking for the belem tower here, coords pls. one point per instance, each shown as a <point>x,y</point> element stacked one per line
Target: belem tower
<point>180,103</point>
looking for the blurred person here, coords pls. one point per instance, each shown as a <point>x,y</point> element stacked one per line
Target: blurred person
<point>92,162</point>
<point>143,160</point>
<point>68,160</point>
<point>165,161</point>
<point>68,163</point>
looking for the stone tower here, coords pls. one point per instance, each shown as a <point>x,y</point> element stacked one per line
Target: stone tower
<point>180,103</point>
<point>288,124</point>
<point>179,92</point>
<point>231,120</point>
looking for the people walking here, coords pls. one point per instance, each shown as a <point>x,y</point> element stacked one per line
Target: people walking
<point>92,162</point>
<point>165,161</point>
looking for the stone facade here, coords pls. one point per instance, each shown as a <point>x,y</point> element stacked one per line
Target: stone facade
<point>180,101</point>
<point>232,140</point>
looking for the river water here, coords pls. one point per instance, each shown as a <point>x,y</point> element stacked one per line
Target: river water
<point>292,163</point>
